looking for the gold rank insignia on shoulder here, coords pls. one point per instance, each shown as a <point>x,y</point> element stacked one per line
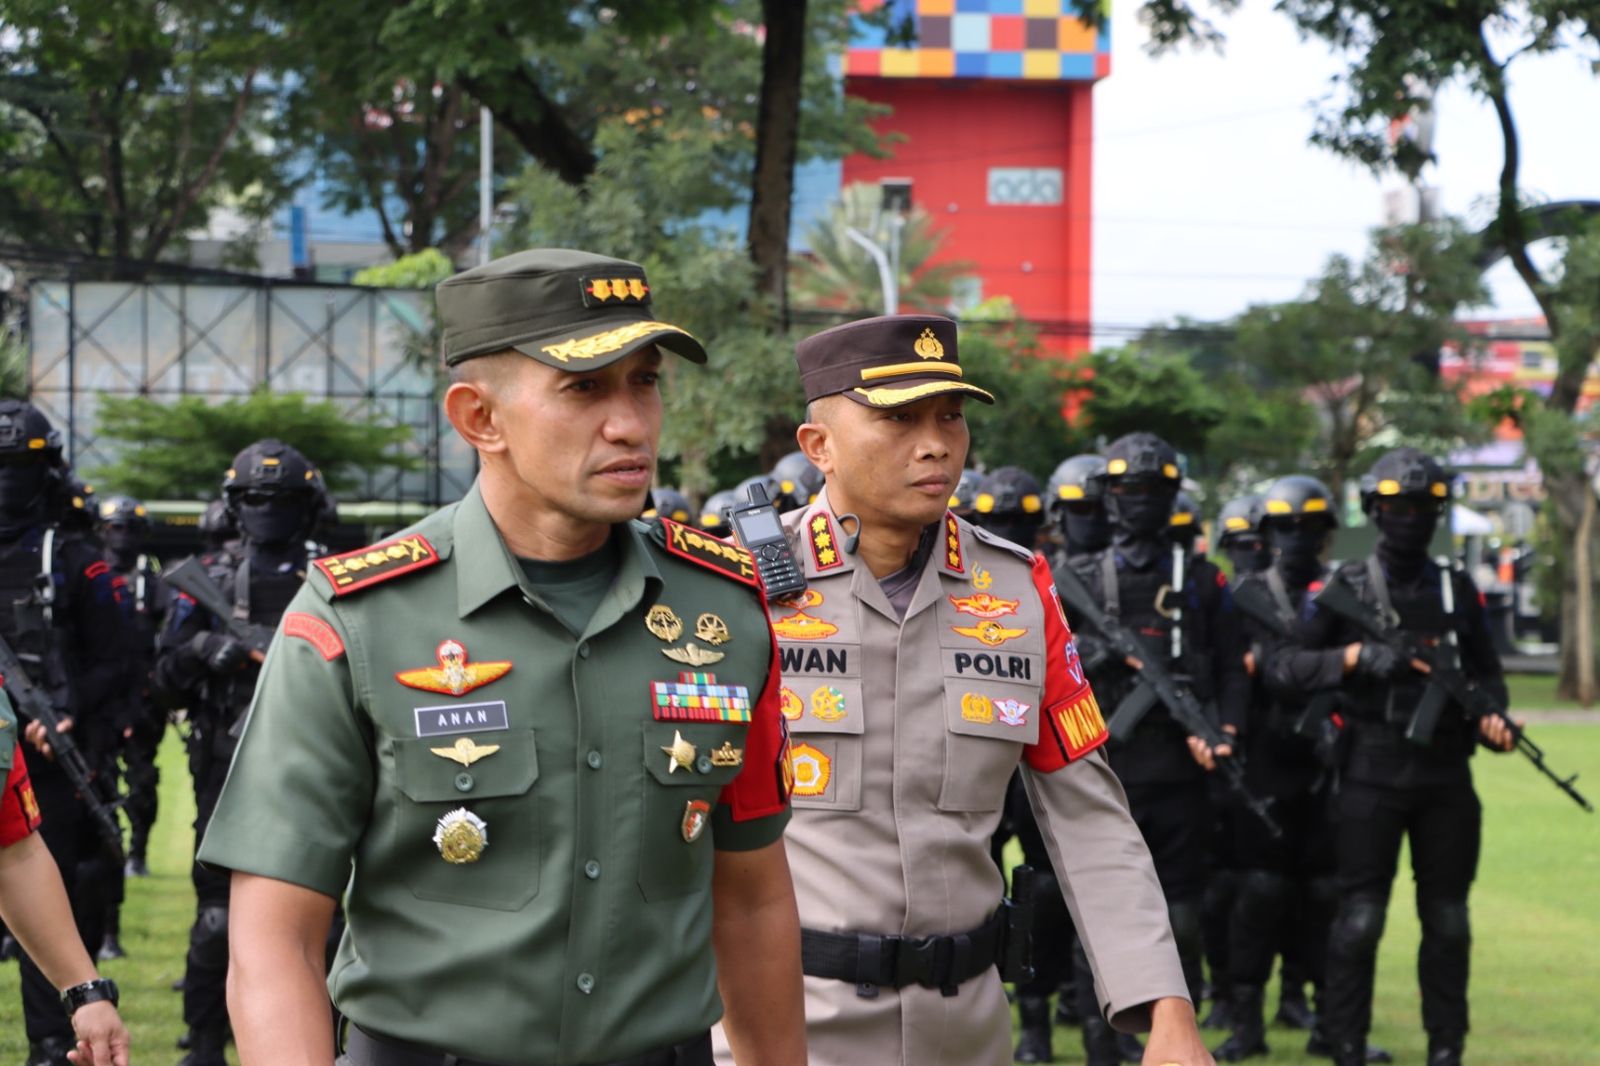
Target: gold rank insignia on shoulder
<point>454,675</point>
<point>679,753</point>
<point>727,755</point>
<point>711,629</point>
<point>663,623</point>
<point>696,813</point>
<point>368,566</point>
<point>461,836</point>
<point>692,654</point>
<point>466,751</point>
<point>824,543</point>
<point>713,553</point>
<point>952,549</point>
<point>989,632</point>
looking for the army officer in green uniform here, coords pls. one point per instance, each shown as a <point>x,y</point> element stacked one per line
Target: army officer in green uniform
<point>539,741</point>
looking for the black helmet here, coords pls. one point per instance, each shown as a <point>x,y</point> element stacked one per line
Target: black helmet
<point>1185,517</point>
<point>1077,479</point>
<point>714,515</point>
<point>1137,456</point>
<point>798,479</point>
<point>81,507</point>
<point>668,503</point>
<point>1008,490</point>
<point>123,509</point>
<point>1239,518</point>
<point>25,431</point>
<point>270,466</point>
<point>1405,472</point>
<point>966,492</point>
<point>1297,495</point>
<point>275,494</point>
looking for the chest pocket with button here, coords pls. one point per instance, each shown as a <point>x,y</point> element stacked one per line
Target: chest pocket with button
<point>498,788</point>
<point>669,865</point>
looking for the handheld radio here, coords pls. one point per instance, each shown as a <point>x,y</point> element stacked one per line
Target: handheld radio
<point>758,531</point>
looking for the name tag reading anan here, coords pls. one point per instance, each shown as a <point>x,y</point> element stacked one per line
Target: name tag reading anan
<point>453,718</point>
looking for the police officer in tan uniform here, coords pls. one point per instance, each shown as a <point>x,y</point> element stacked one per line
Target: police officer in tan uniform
<point>926,660</point>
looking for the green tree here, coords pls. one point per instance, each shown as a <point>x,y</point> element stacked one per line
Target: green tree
<point>1362,346</point>
<point>125,123</point>
<point>839,274</point>
<point>1142,387</point>
<point>179,450</point>
<point>1025,427</point>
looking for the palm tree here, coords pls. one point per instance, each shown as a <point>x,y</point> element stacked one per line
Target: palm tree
<point>840,275</point>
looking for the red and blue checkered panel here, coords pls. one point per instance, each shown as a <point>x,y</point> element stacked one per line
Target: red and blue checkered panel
<point>1031,40</point>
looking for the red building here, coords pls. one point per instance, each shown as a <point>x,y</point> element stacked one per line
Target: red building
<point>995,114</point>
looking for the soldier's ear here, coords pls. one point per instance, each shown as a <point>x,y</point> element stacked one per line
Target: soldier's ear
<point>816,443</point>
<point>470,407</point>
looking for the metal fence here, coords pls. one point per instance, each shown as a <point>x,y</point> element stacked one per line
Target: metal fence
<point>346,345</point>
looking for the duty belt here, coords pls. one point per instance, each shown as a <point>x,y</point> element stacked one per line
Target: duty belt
<point>364,1049</point>
<point>871,961</point>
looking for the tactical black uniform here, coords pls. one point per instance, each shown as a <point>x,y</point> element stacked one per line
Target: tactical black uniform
<point>1239,535</point>
<point>1284,893</point>
<point>64,618</point>
<point>124,528</point>
<point>1390,786</point>
<point>276,496</point>
<point>1133,581</point>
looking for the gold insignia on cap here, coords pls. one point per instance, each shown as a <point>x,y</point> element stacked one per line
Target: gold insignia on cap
<point>679,753</point>
<point>606,342</point>
<point>692,654</point>
<point>461,836</point>
<point>711,629</point>
<point>663,623</point>
<point>727,755</point>
<point>466,751</point>
<point>927,345</point>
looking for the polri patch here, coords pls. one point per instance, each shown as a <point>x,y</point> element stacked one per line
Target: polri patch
<point>316,632</point>
<point>730,560</point>
<point>364,567</point>
<point>453,718</point>
<point>696,697</point>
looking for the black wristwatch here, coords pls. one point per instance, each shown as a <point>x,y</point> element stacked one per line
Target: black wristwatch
<point>89,992</point>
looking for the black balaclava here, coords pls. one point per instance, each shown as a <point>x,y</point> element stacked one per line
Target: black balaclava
<point>1139,523</point>
<point>124,540</point>
<point>1249,554</point>
<point>24,497</point>
<point>1087,528</point>
<point>1403,539</point>
<point>282,520</point>
<point>1297,551</point>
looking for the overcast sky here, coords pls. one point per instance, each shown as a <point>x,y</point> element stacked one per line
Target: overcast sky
<point>1209,199</point>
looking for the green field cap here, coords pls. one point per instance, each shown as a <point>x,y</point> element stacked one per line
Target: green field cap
<point>570,310</point>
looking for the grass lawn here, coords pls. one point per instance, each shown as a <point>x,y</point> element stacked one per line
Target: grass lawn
<point>1536,963</point>
<point>1537,692</point>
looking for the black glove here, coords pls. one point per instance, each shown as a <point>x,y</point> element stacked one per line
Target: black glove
<point>218,652</point>
<point>1379,661</point>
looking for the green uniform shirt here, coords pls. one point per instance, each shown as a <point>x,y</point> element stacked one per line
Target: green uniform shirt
<point>602,772</point>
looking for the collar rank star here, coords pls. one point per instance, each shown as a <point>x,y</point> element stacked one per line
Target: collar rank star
<point>454,675</point>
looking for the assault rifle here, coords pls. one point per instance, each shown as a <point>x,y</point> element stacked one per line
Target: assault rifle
<point>1255,599</point>
<point>34,702</point>
<point>1446,682</point>
<point>191,579</point>
<point>1156,685</point>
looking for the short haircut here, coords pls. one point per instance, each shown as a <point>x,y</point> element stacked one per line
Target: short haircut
<point>489,370</point>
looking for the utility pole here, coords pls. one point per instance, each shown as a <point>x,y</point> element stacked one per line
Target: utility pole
<point>485,183</point>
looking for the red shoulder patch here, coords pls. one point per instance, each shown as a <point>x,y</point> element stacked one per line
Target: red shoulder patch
<point>368,566</point>
<point>95,569</point>
<point>727,559</point>
<point>315,631</point>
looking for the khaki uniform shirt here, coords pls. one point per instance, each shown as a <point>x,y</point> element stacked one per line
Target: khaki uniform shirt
<point>420,700</point>
<point>904,735</point>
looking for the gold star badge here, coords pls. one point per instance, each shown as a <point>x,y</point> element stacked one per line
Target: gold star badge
<point>679,753</point>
